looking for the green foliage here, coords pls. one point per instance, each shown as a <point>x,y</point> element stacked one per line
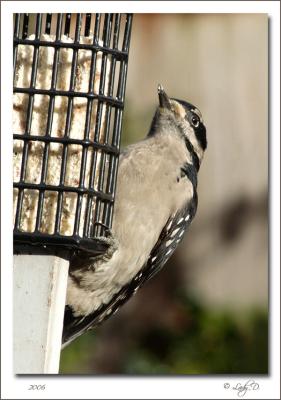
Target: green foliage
<point>215,343</point>
<point>76,358</point>
<point>211,343</point>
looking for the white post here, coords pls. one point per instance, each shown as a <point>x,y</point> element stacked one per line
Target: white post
<point>39,299</point>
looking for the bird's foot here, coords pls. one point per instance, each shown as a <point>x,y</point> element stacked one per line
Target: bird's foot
<point>112,244</point>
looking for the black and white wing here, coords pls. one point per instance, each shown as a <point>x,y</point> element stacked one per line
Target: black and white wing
<point>169,239</point>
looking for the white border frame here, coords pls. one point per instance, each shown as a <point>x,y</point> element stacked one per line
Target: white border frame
<point>199,387</point>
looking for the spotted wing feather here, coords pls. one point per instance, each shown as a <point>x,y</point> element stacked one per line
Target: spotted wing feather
<point>168,240</point>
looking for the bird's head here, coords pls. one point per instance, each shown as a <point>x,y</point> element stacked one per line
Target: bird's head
<point>181,118</point>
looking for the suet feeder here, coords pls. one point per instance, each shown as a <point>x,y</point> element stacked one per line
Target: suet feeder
<point>69,86</point>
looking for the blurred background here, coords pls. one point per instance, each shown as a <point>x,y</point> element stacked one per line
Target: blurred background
<point>206,312</point>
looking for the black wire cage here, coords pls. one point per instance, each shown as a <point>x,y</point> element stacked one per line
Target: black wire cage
<point>69,85</point>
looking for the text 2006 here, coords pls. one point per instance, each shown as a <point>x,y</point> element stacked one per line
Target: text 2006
<point>37,387</point>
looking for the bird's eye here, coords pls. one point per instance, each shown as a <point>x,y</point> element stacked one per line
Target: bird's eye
<point>195,121</point>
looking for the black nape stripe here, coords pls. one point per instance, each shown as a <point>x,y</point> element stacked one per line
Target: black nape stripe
<point>200,134</point>
<point>191,173</point>
<point>195,159</point>
<point>193,205</point>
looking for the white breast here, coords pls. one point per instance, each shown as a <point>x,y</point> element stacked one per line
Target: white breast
<point>147,195</point>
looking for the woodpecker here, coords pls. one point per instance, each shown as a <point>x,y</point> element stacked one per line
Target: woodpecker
<point>156,200</point>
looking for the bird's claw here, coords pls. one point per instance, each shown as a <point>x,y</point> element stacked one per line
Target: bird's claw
<point>112,244</point>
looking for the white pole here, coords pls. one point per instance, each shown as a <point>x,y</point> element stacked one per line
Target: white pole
<point>39,299</point>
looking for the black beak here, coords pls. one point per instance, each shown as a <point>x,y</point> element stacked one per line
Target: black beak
<point>164,100</point>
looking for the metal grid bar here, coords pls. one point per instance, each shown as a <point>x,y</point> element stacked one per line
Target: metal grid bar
<point>112,159</point>
<point>107,186</point>
<point>89,203</point>
<point>49,124</point>
<point>119,54</point>
<point>68,116</point>
<point>16,33</point>
<point>29,109</point>
<point>48,24</point>
<point>25,25</point>
<point>88,24</point>
<point>87,143</point>
<point>67,24</point>
<point>100,142</point>
<point>99,226</point>
<point>72,94</point>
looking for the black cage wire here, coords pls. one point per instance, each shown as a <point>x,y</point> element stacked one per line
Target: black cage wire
<point>69,85</point>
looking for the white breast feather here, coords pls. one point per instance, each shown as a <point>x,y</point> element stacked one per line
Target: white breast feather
<point>147,195</point>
